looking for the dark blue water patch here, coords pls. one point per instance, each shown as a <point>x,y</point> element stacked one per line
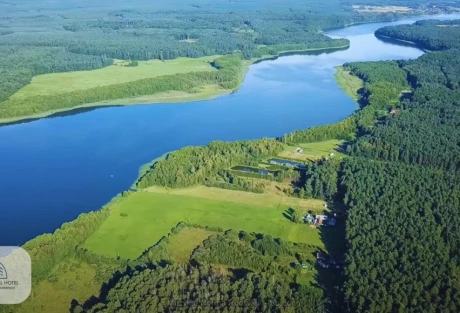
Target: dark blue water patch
<point>287,163</point>
<point>248,169</point>
<point>52,170</point>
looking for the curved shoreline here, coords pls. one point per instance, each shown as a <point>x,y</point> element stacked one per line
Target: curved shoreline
<point>174,97</point>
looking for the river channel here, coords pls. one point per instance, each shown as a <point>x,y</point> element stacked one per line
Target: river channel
<point>53,169</point>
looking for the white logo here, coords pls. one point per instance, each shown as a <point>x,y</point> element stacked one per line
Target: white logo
<point>3,272</point>
<point>15,275</point>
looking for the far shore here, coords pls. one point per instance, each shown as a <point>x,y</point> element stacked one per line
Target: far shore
<point>402,41</point>
<point>170,97</point>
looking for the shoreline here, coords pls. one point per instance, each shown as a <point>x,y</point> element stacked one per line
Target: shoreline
<point>174,97</point>
<point>408,16</point>
<point>348,83</point>
<point>411,43</point>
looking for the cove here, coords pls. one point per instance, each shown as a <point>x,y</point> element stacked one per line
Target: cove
<point>53,169</point>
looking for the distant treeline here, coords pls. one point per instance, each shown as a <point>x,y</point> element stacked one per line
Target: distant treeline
<point>427,34</point>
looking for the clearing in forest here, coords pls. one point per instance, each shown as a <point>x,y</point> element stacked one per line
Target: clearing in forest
<point>381,9</point>
<point>120,72</point>
<point>181,245</point>
<point>313,151</point>
<point>140,220</point>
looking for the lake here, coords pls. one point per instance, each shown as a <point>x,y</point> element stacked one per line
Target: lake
<point>53,169</point>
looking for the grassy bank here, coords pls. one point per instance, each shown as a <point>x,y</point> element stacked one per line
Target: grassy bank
<point>350,84</point>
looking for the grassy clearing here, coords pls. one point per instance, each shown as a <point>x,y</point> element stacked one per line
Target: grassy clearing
<point>76,280</point>
<point>313,151</point>
<point>182,244</point>
<point>350,84</point>
<point>381,9</point>
<point>272,199</point>
<point>49,84</point>
<point>151,215</point>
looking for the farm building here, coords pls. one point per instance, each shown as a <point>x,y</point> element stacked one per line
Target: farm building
<point>308,218</point>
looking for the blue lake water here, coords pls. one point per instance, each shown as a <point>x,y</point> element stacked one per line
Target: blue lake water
<point>53,169</point>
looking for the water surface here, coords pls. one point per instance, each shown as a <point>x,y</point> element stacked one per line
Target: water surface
<point>53,169</point>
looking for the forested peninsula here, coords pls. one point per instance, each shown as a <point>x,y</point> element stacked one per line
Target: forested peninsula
<point>357,216</point>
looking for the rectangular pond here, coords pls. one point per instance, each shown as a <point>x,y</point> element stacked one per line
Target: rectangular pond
<point>248,169</point>
<point>287,163</point>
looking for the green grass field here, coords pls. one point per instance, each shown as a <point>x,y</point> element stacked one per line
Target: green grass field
<point>48,84</point>
<point>151,215</point>
<point>272,197</point>
<point>348,83</point>
<point>313,151</point>
<point>182,244</point>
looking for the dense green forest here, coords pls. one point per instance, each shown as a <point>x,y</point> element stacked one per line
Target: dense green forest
<point>425,132</point>
<point>401,192</point>
<point>62,36</point>
<point>199,165</point>
<point>427,34</point>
